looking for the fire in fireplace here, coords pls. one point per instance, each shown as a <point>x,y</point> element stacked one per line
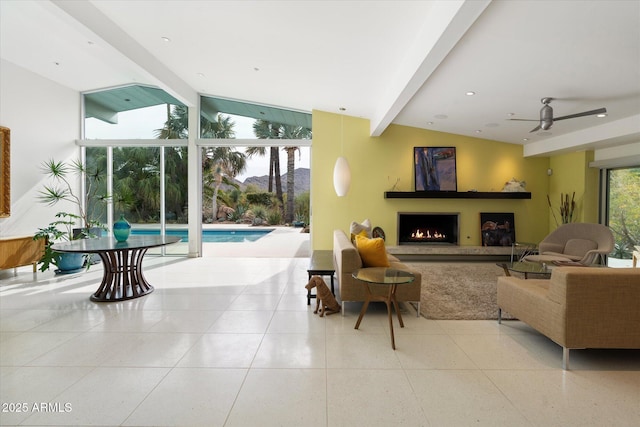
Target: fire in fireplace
<point>427,228</point>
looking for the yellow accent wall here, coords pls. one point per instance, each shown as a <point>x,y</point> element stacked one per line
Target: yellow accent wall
<point>571,173</point>
<point>377,162</point>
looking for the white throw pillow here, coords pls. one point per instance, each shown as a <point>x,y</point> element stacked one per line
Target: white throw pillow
<point>363,229</point>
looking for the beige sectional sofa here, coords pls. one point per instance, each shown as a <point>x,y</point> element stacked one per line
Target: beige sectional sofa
<point>347,259</point>
<point>578,307</point>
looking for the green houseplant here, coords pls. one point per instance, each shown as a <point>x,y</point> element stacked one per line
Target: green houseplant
<point>70,226</point>
<point>60,230</point>
<point>60,189</point>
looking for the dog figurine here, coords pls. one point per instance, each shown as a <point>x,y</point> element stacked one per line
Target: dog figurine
<point>325,301</point>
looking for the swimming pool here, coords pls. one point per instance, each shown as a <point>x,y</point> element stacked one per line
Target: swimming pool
<point>210,236</point>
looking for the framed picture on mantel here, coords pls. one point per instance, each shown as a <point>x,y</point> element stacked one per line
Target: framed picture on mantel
<point>435,168</point>
<point>498,229</point>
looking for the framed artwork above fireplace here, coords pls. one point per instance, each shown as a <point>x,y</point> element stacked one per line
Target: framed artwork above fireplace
<point>435,168</point>
<point>498,229</point>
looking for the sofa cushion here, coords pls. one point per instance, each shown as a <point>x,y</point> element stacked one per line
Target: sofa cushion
<point>579,247</point>
<point>372,251</point>
<point>363,229</point>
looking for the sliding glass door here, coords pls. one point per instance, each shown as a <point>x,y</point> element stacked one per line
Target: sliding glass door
<point>623,212</point>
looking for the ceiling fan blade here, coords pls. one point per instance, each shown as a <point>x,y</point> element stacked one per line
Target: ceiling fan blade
<point>526,120</point>
<point>535,129</point>
<point>586,113</point>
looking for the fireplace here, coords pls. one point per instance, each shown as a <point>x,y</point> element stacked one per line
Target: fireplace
<point>426,228</point>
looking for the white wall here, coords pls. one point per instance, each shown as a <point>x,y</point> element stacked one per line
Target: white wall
<point>44,119</point>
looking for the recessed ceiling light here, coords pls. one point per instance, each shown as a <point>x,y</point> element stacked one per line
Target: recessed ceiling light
<point>470,93</point>
<point>165,39</point>
<point>200,74</point>
<point>342,109</point>
<point>601,115</point>
<point>478,131</point>
<point>511,114</point>
<point>525,139</point>
<point>256,69</point>
<point>429,123</point>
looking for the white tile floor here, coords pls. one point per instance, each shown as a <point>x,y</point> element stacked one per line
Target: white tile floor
<point>232,342</point>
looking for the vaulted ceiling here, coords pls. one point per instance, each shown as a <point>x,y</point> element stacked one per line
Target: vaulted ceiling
<point>402,62</point>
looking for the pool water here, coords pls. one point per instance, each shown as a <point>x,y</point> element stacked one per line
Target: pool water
<point>210,236</point>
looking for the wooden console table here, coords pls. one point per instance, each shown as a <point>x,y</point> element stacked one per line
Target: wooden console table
<point>18,251</point>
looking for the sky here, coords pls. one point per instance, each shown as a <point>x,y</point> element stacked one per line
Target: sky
<point>141,124</point>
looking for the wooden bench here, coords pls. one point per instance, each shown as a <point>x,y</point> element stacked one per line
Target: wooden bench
<point>18,251</point>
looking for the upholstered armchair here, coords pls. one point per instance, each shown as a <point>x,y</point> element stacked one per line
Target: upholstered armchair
<point>579,242</point>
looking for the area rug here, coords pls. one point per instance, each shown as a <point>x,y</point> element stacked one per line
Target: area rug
<point>458,290</point>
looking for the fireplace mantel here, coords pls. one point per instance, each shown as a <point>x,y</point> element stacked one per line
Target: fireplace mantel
<point>417,253</point>
<point>456,195</point>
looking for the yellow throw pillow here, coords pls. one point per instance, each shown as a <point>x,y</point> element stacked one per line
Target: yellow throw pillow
<point>363,233</point>
<point>372,252</point>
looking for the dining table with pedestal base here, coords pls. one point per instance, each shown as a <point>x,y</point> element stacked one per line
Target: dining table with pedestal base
<point>389,277</point>
<point>122,278</point>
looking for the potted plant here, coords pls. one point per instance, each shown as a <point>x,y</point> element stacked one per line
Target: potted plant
<point>60,230</point>
<point>61,189</point>
<point>85,224</point>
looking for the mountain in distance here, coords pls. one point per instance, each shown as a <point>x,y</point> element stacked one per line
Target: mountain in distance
<point>302,181</point>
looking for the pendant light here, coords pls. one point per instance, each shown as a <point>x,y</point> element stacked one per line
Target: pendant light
<point>341,170</point>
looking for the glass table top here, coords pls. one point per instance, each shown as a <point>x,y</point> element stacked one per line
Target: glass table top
<point>383,275</point>
<point>107,244</point>
<point>527,267</point>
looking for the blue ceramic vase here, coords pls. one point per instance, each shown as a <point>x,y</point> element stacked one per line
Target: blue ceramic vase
<point>121,229</point>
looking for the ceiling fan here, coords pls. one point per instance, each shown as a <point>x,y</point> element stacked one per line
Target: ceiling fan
<point>547,119</point>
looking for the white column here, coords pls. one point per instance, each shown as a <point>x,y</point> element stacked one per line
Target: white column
<point>195,185</point>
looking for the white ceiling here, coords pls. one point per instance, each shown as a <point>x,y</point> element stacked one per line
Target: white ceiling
<point>403,62</point>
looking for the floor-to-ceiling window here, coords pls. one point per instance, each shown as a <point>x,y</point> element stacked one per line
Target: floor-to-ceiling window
<point>255,163</point>
<point>623,212</point>
<point>138,137</point>
<point>125,138</point>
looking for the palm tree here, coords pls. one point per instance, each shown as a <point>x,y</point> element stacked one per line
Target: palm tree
<point>264,129</point>
<point>291,160</point>
<point>222,163</point>
<point>137,180</point>
<point>268,130</point>
<point>292,132</point>
<point>176,126</point>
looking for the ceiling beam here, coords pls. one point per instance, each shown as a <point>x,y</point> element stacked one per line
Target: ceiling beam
<point>92,18</point>
<point>445,25</point>
<point>615,133</point>
<point>95,110</point>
